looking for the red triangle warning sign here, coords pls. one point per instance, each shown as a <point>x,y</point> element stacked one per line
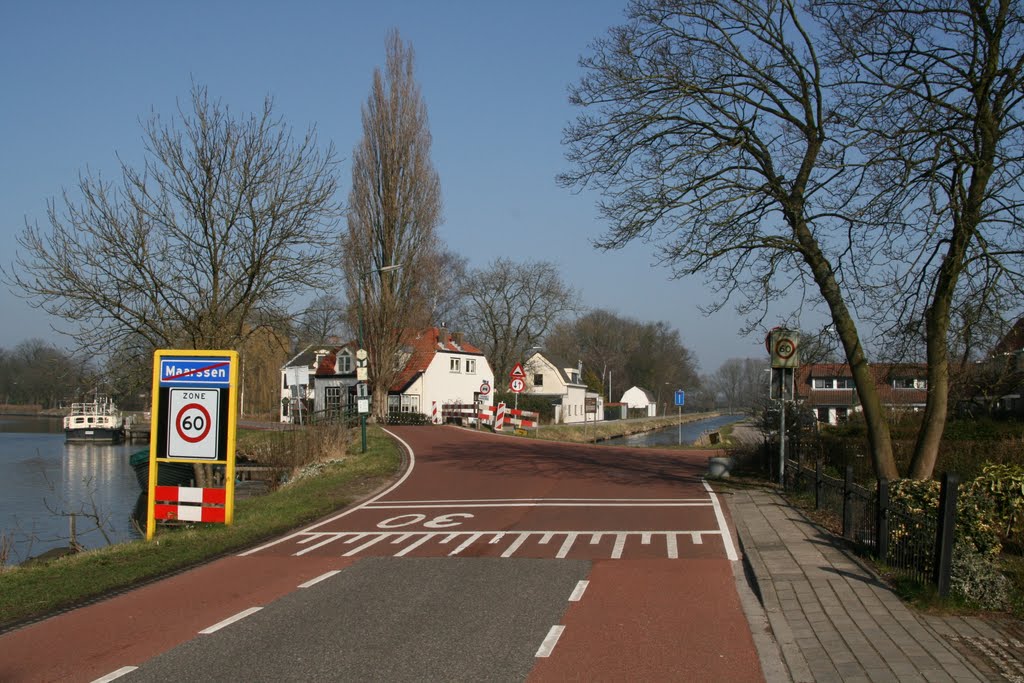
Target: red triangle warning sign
<point>517,372</point>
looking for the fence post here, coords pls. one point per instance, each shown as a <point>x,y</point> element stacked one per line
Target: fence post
<point>945,535</point>
<point>882,522</point>
<point>817,485</point>
<point>847,507</point>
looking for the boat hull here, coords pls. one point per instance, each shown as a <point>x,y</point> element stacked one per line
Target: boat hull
<point>167,473</point>
<point>94,435</point>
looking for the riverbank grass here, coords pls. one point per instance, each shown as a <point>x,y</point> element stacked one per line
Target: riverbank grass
<point>31,590</point>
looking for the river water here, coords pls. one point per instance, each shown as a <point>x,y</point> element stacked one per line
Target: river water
<point>688,433</point>
<point>43,480</point>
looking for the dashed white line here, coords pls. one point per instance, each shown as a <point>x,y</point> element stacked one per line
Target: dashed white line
<point>620,544</point>
<point>322,577</point>
<point>230,620</point>
<point>548,646</point>
<point>465,544</point>
<point>577,592</point>
<point>114,675</point>
<point>570,538</point>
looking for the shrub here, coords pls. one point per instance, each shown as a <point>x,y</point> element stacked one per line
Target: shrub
<point>977,526</point>
<point>1004,486</point>
<point>976,578</point>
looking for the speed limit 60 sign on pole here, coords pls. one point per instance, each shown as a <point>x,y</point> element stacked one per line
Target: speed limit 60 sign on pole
<point>193,421</point>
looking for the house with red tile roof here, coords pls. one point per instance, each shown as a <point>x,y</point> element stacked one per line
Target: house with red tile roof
<point>828,388</point>
<point>438,367</point>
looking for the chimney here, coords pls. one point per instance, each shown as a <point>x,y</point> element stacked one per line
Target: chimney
<point>442,335</point>
<point>457,336</point>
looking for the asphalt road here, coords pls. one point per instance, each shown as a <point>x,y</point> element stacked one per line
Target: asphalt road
<point>494,558</point>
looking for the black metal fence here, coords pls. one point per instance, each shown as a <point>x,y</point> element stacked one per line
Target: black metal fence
<point>918,546</point>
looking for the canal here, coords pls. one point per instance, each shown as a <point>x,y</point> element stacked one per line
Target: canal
<point>686,434</point>
<point>43,482</point>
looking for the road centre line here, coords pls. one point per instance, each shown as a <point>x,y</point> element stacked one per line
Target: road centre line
<point>577,592</point>
<point>322,577</point>
<point>550,641</point>
<point>230,620</point>
<point>114,675</point>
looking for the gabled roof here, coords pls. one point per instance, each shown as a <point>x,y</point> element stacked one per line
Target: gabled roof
<point>559,364</point>
<point>307,356</point>
<point>329,363</point>
<point>1013,341</point>
<point>422,346</point>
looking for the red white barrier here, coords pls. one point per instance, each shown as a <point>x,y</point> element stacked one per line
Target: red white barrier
<point>504,416</point>
<point>190,504</point>
<point>434,418</point>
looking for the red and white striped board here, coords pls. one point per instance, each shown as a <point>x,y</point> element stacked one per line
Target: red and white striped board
<point>434,417</point>
<point>190,504</point>
<point>504,416</point>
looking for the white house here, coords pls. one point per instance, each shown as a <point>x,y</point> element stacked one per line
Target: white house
<point>440,367</point>
<point>637,398</point>
<point>297,383</point>
<point>552,377</point>
<point>437,367</point>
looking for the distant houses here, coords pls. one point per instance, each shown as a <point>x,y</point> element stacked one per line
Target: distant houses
<point>828,388</point>
<point>437,367</point>
<point>561,382</point>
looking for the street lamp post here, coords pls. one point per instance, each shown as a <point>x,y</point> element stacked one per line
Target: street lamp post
<point>362,342</point>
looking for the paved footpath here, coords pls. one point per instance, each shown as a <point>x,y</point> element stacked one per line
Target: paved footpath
<point>825,616</point>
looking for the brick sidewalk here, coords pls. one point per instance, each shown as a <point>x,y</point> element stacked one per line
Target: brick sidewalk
<point>833,619</point>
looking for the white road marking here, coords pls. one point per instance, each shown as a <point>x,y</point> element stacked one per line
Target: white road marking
<point>230,620</point>
<point>465,544</point>
<point>550,641</point>
<point>672,549</point>
<point>412,546</point>
<point>411,540</point>
<point>114,675</point>
<point>640,503</point>
<point>570,538</point>
<point>730,547</point>
<point>313,582</point>
<point>510,551</point>
<point>620,543</point>
<point>577,593</point>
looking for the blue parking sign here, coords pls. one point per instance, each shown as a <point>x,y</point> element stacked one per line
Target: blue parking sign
<point>680,397</point>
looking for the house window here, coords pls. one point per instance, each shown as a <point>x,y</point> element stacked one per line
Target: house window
<point>822,383</point>
<point>471,366</point>
<point>284,380</point>
<point>822,414</point>
<point>455,365</point>
<point>332,399</point>
<point>394,403</point>
<point>344,363</point>
<point>910,383</point>
<point>842,414</point>
<point>411,404</point>
<point>845,383</point>
<point>538,380</point>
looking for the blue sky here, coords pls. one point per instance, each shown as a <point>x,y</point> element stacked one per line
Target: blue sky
<point>78,76</point>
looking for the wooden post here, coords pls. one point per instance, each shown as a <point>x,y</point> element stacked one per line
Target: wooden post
<point>882,522</point>
<point>944,535</point>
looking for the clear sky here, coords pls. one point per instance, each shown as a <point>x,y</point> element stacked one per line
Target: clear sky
<point>77,77</point>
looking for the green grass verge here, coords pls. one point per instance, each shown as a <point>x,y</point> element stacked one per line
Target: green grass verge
<point>30,591</point>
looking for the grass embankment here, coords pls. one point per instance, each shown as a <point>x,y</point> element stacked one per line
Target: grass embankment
<point>31,590</point>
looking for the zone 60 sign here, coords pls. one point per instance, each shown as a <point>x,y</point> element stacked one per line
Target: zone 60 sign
<point>192,423</point>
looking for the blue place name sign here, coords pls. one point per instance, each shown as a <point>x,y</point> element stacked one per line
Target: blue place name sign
<point>195,372</point>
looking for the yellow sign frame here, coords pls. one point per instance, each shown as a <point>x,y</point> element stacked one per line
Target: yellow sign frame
<point>159,409</point>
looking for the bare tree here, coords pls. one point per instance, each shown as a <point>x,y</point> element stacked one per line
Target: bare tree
<point>933,89</point>
<point>322,319</point>
<point>712,135</point>
<point>741,382</point>
<point>511,306</point>
<point>393,213</point>
<point>226,219</point>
